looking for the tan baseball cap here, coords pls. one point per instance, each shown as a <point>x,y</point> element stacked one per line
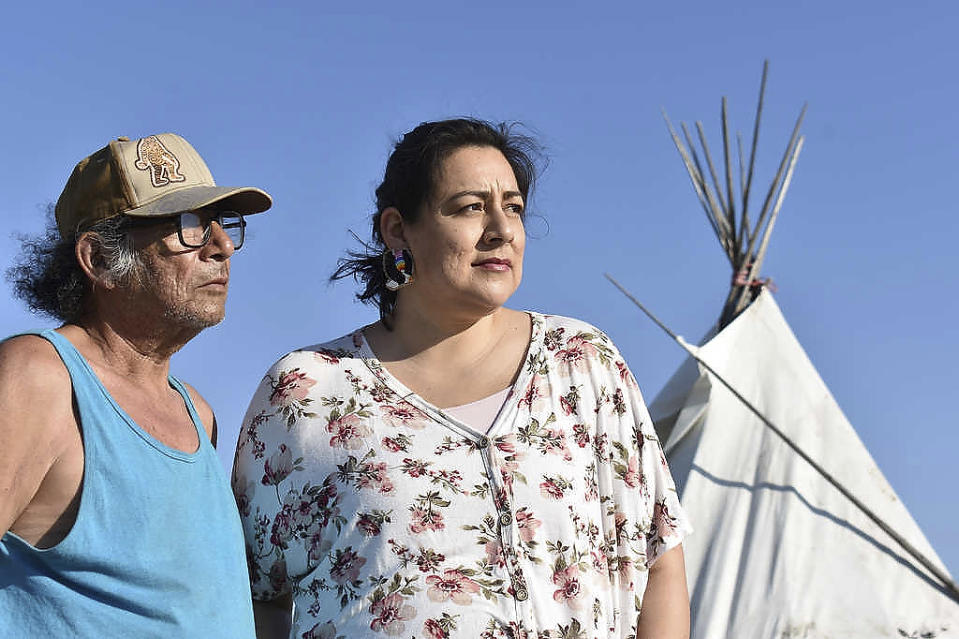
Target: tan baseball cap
<point>155,176</point>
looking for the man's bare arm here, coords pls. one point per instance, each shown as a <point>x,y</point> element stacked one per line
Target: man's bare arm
<point>665,613</point>
<point>37,425</point>
<point>273,618</point>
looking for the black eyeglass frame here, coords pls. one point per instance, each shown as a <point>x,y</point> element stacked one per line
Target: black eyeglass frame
<point>234,221</point>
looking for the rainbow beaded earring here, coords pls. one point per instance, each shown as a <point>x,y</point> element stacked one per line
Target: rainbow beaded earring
<point>398,267</point>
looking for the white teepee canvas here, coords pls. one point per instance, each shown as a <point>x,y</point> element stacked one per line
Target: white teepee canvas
<point>777,552</point>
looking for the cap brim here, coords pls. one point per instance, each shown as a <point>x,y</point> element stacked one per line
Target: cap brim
<point>246,200</point>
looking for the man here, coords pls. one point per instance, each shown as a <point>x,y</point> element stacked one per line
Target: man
<point>116,518</point>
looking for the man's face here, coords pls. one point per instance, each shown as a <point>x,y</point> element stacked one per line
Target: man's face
<point>187,287</point>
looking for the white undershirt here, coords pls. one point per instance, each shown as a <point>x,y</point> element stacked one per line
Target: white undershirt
<point>479,415</point>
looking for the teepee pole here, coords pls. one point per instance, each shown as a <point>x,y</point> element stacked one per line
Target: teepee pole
<point>714,206</point>
<point>701,187</point>
<point>744,220</point>
<point>775,183</point>
<point>947,585</point>
<point>712,172</point>
<point>757,264</point>
<point>752,152</point>
<point>730,194</point>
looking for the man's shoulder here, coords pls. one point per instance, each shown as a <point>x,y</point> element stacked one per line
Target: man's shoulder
<point>31,361</point>
<point>35,389</point>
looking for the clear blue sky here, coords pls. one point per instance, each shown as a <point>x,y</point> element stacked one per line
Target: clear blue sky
<point>305,99</point>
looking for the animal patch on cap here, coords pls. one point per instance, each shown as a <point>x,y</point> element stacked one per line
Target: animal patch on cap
<point>153,156</point>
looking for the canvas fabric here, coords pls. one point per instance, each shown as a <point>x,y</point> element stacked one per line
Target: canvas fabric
<point>780,552</point>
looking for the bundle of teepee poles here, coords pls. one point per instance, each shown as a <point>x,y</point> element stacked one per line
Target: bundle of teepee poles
<point>743,241</point>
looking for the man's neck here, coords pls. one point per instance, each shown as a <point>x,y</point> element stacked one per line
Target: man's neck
<point>137,352</point>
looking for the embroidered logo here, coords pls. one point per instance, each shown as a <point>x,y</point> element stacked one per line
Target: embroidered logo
<point>152,156</point>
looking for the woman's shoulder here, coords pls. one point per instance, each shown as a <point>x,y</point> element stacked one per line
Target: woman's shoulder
<point>560,326</point>
<point>324,354</point>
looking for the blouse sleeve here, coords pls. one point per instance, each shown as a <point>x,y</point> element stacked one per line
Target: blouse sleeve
<point>262,469</point>
<point>669,523</point>
<point>649,517</point>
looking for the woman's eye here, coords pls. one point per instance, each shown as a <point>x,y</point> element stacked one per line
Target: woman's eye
<point>473,206</point>
<point>515,208</point>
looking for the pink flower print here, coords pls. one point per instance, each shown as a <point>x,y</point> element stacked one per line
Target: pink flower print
<point>369,524</point>
<point>527,524</point>
<point>452,585</point>
<point>429,560</point>
<point>619,521</point>
<point>326,356</point>
<point>534,395</point>
<point>395,445</point>
<point>277,467</point>
<point>278,575</point>
<point>567,407</point>
<point>434,630</point>
<point>664,522</point>
<point>624,566</point>
<point>348,432</point>
<point>494,553</point>
<point>318,546</point>
<point>414,467</point>
<point>506,444</point>
<point>554,487</point>
<point>390,613</point>
<point>632,476</point>
<point>580,435</point>
<point>326,631</point>
<point>403,415</point>
<point>376,476</point>
<point>346,566</point>
<point>293,386</point>
<point>555,443</point>
<point>600,563</point>
<point>425,519</point>
<point>625,375</point>
<point>568,589</point>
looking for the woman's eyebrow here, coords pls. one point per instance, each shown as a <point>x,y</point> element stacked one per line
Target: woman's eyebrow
<point>483,194</point>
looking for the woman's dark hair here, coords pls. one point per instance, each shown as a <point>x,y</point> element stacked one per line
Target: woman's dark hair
<point>410,178</point>
<point>48,277</point>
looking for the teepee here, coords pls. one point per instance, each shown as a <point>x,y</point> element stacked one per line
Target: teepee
<point>797,532</point>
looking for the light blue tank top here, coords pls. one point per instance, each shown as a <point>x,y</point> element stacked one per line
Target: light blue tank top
<point>156,550</point>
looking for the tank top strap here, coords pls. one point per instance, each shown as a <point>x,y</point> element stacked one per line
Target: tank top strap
<point>68,353</point>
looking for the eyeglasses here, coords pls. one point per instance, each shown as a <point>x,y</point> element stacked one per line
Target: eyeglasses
<point>194,229</point>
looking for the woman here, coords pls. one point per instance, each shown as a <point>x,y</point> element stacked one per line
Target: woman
<point>458,468</point>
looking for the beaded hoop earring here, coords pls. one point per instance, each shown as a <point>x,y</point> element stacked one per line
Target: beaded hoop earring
<point>398,267</point>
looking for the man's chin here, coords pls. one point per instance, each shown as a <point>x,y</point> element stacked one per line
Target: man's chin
<point>193,320</point>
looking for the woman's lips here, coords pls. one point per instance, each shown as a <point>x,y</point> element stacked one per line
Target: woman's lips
<point>495,264</point>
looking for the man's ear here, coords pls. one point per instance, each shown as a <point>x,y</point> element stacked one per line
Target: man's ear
<point>393,228</point>
<point>89,253</point>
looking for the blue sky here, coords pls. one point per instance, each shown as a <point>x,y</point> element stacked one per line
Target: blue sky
<point>305,99</point>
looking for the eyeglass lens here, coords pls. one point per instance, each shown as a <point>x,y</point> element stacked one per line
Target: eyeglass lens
<point>195,229</point>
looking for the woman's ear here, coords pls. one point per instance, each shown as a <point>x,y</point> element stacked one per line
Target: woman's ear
<point>89,253</point>
<point>392,228</point>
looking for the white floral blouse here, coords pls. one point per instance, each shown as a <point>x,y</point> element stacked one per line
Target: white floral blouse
<point>386,517</point>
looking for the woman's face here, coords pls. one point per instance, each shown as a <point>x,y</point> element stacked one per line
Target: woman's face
<point>468,243</point>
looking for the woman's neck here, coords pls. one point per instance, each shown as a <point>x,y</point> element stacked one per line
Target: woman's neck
<point>419,335</point>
